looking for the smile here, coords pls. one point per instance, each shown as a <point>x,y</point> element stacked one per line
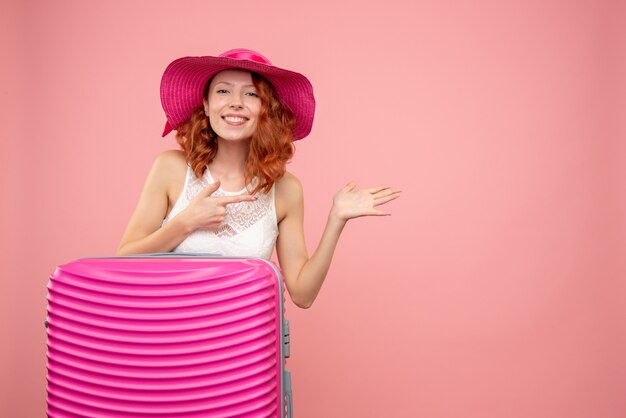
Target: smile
<point>234,120</point>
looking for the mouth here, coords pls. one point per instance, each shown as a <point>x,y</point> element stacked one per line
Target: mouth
<point>235,120</point>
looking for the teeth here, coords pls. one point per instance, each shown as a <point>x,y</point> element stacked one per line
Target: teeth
<point>234,119</point>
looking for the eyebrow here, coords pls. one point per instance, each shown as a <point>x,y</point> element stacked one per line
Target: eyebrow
<point>230,84</point>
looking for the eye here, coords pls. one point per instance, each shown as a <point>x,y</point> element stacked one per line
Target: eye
<point>253,94</point>
<point>221,91</point>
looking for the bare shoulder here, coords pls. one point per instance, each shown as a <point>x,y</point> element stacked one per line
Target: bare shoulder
<point>171,159</point>
<point>169,165</point>
<point>168,173</point>
<point>288,186</point>
<point>289,195</point>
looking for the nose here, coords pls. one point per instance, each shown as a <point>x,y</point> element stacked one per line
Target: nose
<point>235,102</point>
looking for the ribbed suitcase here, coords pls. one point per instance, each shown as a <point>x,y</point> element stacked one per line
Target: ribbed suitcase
<point>169,336</point>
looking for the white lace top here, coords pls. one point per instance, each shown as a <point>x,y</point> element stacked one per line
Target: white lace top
<point>249,228</point>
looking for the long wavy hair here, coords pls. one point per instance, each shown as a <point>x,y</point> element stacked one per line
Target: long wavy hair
<point>271,146</point>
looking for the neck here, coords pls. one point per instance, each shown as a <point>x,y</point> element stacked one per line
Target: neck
<point>230,161</point>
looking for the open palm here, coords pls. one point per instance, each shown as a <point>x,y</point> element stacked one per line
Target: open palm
<point>349,203</point>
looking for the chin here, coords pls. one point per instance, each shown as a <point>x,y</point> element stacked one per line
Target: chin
<point>231,138</point>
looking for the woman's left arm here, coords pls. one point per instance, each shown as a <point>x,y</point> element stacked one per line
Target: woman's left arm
<point>304,275</point>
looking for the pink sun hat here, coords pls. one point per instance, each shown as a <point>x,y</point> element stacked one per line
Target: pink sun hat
<point>184,79</point>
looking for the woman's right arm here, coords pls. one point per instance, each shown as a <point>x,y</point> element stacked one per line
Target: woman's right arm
<point>144,233</point>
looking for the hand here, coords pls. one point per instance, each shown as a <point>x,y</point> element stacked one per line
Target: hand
<point>208,212</point>
<point>349,203</point>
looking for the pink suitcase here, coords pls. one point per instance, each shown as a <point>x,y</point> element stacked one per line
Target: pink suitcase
<point>167,336</point>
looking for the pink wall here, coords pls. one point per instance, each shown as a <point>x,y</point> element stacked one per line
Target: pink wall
<point>497,287</point>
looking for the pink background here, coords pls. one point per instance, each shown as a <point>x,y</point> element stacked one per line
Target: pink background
<point>496,289</point>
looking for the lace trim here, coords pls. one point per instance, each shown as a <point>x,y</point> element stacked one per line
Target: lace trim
<point>239,216</point>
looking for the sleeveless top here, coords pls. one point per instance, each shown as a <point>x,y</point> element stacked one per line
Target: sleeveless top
<point>249,228</point>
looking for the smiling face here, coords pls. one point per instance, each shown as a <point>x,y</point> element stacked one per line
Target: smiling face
<point>233,105</point>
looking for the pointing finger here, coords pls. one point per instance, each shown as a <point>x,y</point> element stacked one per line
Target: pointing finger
<point>227,200</point>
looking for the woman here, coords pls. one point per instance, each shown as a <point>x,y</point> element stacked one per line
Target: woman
<point>227,191</point>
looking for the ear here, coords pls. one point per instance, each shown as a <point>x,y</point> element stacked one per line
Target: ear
<point>205,103</point>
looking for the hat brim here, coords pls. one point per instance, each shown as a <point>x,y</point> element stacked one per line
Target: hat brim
<point>184,79</point>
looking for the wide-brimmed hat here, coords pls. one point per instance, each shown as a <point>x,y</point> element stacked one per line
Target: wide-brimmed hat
<point>184,79</point>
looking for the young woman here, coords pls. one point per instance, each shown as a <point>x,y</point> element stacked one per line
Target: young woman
<point>227,191</point>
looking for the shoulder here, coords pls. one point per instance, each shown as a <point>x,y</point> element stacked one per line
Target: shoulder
<point>169,163</point>
<point>172,158</point>
<point>289,195</point>
<point>168,169</point>
<point>288,186</point>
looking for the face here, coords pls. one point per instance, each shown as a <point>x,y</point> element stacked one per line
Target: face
<point>233,105</point>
